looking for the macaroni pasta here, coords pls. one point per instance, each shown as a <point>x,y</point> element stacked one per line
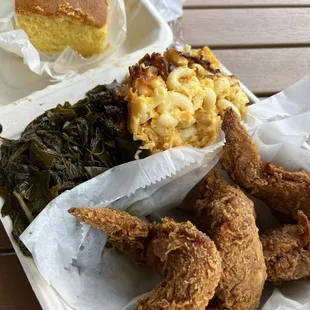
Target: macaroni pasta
<point>179,98</point>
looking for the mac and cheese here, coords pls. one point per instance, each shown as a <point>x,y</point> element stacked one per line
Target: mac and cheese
<point>179,98</point>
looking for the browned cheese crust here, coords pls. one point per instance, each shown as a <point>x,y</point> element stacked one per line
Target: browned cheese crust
<point>93,12</point>
<point>186,257</point>
<point>229,217</point>
<point>287,251</point>
<point>286,192</point>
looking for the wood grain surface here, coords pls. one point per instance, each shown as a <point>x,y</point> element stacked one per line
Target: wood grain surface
<point>5,243</point>
<point>267,71</point>
<point>15,291</point>
<point>248,3</point>
<point>247,27</point>
<point>265,43</point>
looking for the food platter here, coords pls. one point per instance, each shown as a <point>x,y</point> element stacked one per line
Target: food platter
<point>43,94</point>
<point>14,117</point>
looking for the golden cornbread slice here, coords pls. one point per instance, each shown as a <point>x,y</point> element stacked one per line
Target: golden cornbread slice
<point>52,25</point>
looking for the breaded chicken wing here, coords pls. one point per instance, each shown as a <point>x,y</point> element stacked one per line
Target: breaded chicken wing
<point>287,251</point>
<point>186,257</point>
<point>286,192</point>
<point>229,217</point>
<point>126,233</point>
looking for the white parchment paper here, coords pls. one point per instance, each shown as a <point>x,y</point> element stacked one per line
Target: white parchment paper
<point>71,256</point>
<point>60,66</point>
<point>169,10</point>
<point>68,63</point>
<point>172,11</point>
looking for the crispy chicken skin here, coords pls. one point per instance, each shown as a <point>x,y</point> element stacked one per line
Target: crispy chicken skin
<point>287,251</point>
<point>126,233</point>
<point>186,257</point>
<point>286,192</point>
<point>190,263</point>
<point>228,216</point>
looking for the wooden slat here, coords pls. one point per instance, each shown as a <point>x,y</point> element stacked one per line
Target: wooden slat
<point>5,244</point>
<point>15,290</point>
<point>247,27</point>
<point>267,71</point>
<point>232,3</point>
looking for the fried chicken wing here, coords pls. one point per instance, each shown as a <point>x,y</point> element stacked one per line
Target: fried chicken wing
<point>126,233</point>
<point>229,217</point>
<point>285,192</point>
<point>186,257</point>
<point>287,251</point>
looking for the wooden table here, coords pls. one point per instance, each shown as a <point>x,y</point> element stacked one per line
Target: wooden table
<point>265,43</point>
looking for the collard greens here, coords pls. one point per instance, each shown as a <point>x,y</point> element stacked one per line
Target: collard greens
<point>61,149</point>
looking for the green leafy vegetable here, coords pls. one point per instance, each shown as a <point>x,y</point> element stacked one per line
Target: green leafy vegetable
<point>61,149</point>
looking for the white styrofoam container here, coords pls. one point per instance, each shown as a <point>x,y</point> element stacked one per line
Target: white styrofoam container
<point>147,34</point>
<point>146,29</point>
<point>15,117</point>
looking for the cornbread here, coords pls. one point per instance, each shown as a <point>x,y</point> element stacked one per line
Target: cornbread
<point>179,99</point>
<point>52,25</point>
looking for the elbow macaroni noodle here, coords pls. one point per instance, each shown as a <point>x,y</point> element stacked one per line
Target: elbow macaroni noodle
<point>185,106</point>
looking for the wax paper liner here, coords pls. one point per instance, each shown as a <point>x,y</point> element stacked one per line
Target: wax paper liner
<point>69,255</point>
<point>169,10</point>
<point>68,63</point>
<point>280,138</point>
<point>172,11</point>
<point>75,250</point>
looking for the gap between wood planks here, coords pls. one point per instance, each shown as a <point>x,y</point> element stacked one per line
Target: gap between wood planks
<point>245,3</point>
<point>266,71</point>
<point>254,46</point>
<point>246,27</point>
<point>8,254</point>
<point>257,6</point>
